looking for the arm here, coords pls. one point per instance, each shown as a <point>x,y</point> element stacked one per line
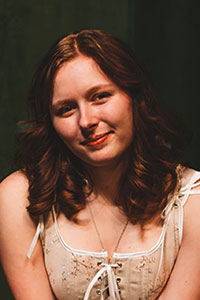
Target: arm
<point>27,278</point>
<point>184,282</point>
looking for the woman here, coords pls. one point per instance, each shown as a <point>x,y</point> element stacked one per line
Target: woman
<point>100,179</point>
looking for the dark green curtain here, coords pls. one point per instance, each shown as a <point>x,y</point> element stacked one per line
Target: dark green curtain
<point>167,40</point>
<point>164,34</point>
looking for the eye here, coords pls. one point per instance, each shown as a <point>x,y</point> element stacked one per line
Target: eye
<point>65,110</point>
<point>101,96</point>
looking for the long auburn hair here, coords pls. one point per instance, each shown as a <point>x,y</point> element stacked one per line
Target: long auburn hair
<point>57,176</point>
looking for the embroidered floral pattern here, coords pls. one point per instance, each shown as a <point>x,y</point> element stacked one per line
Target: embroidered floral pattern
<point>64,273</point>
<point>47,251</point>
<point>143,263</point>
<point>55,241</point>
<point>50,272</point>
<point>86,263</point>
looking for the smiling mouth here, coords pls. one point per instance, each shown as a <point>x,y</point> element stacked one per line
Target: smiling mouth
<point>96,140</point>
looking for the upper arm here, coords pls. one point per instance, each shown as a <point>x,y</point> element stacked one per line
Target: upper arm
<point>25,276</point>
<point>184,282</point>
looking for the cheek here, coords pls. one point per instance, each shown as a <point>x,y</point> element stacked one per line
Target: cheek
<point>128,112</point>
<point>65,129</point>
<point>124,114</point>
<point>126,120</point>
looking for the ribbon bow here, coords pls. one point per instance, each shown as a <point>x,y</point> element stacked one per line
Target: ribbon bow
<point>112,284</point>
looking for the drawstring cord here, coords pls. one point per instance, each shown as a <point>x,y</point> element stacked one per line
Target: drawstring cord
<point>112,284</point>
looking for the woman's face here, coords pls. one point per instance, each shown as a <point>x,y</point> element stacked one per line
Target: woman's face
<point>90,113</point>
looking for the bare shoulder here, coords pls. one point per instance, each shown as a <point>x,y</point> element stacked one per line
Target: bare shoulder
<point>14,217</point>
<point>16,179</point>
<point>191,183</point>
<point>14,190</point>
<point>25,276</point>
<point>192,213</point>
<point>183,283</point>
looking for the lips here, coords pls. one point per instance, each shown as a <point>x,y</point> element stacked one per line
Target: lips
<point>96,140</point>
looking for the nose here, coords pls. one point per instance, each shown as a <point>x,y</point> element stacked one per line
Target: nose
<point>87,118</point>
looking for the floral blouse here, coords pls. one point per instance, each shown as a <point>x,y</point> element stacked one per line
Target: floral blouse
<point>76,274</point>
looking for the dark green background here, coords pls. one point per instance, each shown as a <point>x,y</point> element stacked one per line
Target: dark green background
<point>164,34</point>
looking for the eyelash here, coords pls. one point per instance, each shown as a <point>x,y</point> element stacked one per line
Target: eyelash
<point>101,95</point>
<point>70,107</point>
<point>65,109</point>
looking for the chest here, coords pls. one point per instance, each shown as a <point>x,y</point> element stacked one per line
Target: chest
<point>71,269</point>
<point>109,234</point>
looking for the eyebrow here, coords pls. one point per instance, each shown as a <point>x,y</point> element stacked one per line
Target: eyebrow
<point>97,88</point>
<point>61,102</point>
<point>87,95</point>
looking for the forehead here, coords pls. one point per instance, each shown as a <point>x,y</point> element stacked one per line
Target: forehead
<point>79,66</point>
<point>77,75</point>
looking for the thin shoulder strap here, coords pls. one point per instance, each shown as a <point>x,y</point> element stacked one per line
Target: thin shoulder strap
<point>180,198</point>
<point>187,190</point>
<point>39,230</point>
<point>54,213</point>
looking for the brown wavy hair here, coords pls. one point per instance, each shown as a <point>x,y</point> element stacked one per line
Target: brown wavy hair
<point>57,176</point>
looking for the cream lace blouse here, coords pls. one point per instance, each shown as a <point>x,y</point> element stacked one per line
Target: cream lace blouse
<point>76,274</point>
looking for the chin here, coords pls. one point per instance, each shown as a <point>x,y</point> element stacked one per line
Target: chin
<point>103,162</point>
<point>107,158</point>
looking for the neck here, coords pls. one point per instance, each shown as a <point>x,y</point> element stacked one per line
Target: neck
<point>106,180</point>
